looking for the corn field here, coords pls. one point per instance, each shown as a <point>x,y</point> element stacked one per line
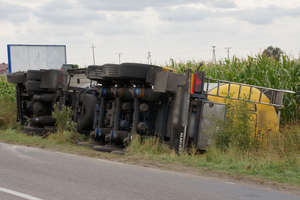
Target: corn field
<point>7,104</point>
<point>261,71</point>
<point>7,90</point>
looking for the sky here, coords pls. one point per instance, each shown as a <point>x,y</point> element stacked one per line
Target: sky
<point>179,29</point>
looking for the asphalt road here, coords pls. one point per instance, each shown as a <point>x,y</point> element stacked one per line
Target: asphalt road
<point>35,174</point>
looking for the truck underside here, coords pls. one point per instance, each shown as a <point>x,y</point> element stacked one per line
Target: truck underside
<point>113,103</point>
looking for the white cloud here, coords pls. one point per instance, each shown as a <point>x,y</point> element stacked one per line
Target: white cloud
<point>266,15</point>
<point>134,5</point>
<point>66,12</point>
<point>13,13</point>
<point>184,29</point>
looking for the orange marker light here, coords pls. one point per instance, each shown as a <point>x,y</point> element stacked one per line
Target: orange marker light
<point>192,83</point>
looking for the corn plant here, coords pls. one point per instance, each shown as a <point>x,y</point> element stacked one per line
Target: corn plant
<point>7,90</point>
<point>261,71</point>
<point>7,104</point>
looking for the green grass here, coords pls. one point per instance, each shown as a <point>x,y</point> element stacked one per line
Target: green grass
<point>8,107</point>
<point>17,137</point>
<point>63,142</point>
<point>269,165</point>
<point>7,89</point>
<point>280,168</point>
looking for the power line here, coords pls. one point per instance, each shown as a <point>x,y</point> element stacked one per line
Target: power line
<point>93,51</point>
<point>149,57</point>
<point>214,59</point>
<point>119,56</point>
<point>228,52</point>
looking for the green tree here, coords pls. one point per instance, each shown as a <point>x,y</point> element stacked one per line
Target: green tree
<point>273,52</point>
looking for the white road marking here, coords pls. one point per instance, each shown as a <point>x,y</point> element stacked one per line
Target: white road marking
<point>19,194</point>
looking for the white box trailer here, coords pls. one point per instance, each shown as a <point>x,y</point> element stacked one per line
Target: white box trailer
<point>23,57</point>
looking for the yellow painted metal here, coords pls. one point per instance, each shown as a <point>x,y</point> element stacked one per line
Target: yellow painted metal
<point>167,69</point>
<point>265,115</point>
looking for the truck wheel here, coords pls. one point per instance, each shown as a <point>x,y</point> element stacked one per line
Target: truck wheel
<point>40,109</point>
<point>34,75</point>
<point>86,117</point>
<point>18,77</point>
<point>33,85</point>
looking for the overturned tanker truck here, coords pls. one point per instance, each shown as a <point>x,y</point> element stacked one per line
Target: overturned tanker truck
<point>113,103</point>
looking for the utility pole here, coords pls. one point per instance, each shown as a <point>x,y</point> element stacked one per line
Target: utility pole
<point>93,51</point>
<point>119,57</point>
<point>228,52</point>
<point>149,55</point>
<point>214,59</point>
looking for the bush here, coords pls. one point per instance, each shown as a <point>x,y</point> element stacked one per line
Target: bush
<point>66,128</point>
<point>7,90</point>
<point>63,116</point>
<point>8,109</point>
<point>236,131</point>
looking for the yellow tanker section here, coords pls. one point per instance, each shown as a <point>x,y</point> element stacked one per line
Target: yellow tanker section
<point>264,118</point>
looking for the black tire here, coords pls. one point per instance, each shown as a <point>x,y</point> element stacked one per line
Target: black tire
<point>52,79</point>
<point>86,117</point>
<point>123,71</point>
<point>47,98</point>
<point>18,77</point>
<point>99,72</point>
<point>33,85</point>
<point>34,75</point>
<point>40,109</point>
<point>138,65</point>
<point>136,70</point>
